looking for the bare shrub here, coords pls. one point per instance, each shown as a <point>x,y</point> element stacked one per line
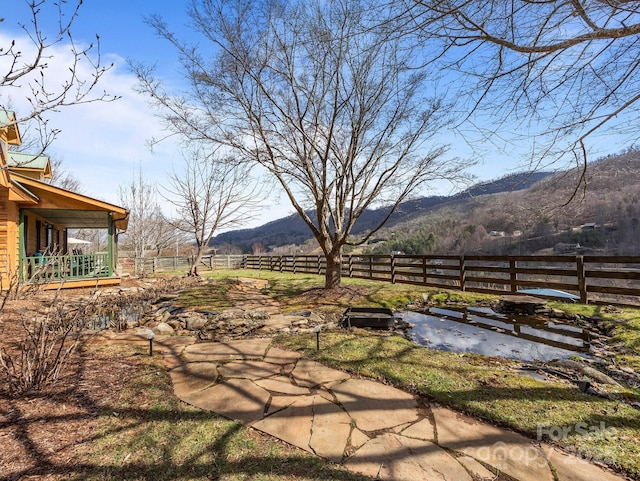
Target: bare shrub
<point>37,359</point>
<point>12,288</point>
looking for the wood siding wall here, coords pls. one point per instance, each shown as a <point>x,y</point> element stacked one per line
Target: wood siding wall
<point>9,237</point>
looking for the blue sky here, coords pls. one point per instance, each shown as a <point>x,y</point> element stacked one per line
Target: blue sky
<point>104,143</point>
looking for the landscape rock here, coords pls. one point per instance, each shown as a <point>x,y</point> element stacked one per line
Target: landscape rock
<point>163,329</point>
<point>599,376</point>
<point>193,323</point>
<point>175,324</point>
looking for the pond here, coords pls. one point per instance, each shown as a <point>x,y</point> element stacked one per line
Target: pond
<point>118,317</point>
<point>484,331</point>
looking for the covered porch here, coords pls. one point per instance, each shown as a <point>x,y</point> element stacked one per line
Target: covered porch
<point>49,257</point>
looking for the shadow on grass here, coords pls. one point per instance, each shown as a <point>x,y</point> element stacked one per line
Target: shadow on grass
<point>484,387</point>
<point>144,433</point>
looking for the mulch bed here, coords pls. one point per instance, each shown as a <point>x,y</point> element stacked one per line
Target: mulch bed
<point>40,432</point>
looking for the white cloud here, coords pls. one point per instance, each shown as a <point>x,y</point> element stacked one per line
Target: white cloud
<point>102,143</point>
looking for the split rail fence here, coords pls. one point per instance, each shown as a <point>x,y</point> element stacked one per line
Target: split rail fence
<point>594,279</point>
<point>152,265</point>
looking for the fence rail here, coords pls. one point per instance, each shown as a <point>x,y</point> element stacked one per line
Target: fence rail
<point>594,279</point>
<point>179,263</point>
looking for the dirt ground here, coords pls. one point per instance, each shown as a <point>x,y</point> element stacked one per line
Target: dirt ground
<point>40,432</point>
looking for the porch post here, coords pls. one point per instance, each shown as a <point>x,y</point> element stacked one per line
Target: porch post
<point>21,247</point>
<point>110,244</point>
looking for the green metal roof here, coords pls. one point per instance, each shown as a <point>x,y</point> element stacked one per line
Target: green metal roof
<point>27,161</point>
<point>6,116</point>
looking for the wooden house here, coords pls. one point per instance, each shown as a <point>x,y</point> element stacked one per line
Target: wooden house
<point>35,218</point>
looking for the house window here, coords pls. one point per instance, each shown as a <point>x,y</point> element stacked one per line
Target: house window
<point>25,238</point>
<point>50,246</point>
<point>38,236</point>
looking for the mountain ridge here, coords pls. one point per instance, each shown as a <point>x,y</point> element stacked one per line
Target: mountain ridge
<point>292,229</point>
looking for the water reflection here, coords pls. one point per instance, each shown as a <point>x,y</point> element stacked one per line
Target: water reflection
<point>119,318</point>
<point>484,331</point>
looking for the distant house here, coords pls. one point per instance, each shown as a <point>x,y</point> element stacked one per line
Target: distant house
<point>590,225</point>
<point>35,218</point>
<point>497,233</point>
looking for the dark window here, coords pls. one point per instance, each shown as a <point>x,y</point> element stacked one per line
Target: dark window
<point>50,246</point>
<point>38,235</point>
<point>25,235</point>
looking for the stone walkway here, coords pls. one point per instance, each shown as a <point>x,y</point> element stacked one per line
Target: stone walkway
<point>370,428</point>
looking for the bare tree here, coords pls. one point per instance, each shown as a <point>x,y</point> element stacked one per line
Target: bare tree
<point>565,69</point>
<point>210,194</point>
<point>31,142</point>
<point>139,197</point>
<point>329,103</point>
<point>24,68</point>
<point>61,177</point>
<point>163,235</point>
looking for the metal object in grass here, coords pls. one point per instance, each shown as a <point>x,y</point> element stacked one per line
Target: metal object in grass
<point>374,317</point>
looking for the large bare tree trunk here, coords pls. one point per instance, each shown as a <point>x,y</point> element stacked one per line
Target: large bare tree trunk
<point>334,270</point>
<point>193,269</point>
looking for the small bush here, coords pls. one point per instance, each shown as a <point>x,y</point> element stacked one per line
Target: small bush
<point>36,360</point>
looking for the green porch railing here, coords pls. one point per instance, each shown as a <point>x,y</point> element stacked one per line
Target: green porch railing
<point>65,267</point>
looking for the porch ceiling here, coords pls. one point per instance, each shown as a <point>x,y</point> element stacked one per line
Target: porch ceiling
<point>74,219</point>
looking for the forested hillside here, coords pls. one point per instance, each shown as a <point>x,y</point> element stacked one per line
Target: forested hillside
<point>518,214</point>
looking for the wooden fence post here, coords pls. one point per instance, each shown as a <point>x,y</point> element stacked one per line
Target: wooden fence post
<point>424,269</point>
<point>582,280</point>
<point>463,275</point>
<point>393,269</point>
<point>350,266</point>
<point>513,276</point>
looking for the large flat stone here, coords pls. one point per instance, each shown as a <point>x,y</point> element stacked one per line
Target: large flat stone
<point>507,451</point>
<point>169,361</point>
<point>330,430</point>
<point>421,430</point>
<point>172,349</point>
<point>277,321</point>
<point>282,385</point>
<point>375,406</point>
<point>292,424</point>
<point>249,369</point>
<point>358,438</point>
<point>116,338</point>
<point>477,470</point>
<point>282,357</point>
<point>278,403</point>
<point>310,373</point>
<point>216,351</point>
<point>174,344</point>
<point>397,458</point>
<point>191,378</point>
<point>572,468</point>
<point>237,399</point>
